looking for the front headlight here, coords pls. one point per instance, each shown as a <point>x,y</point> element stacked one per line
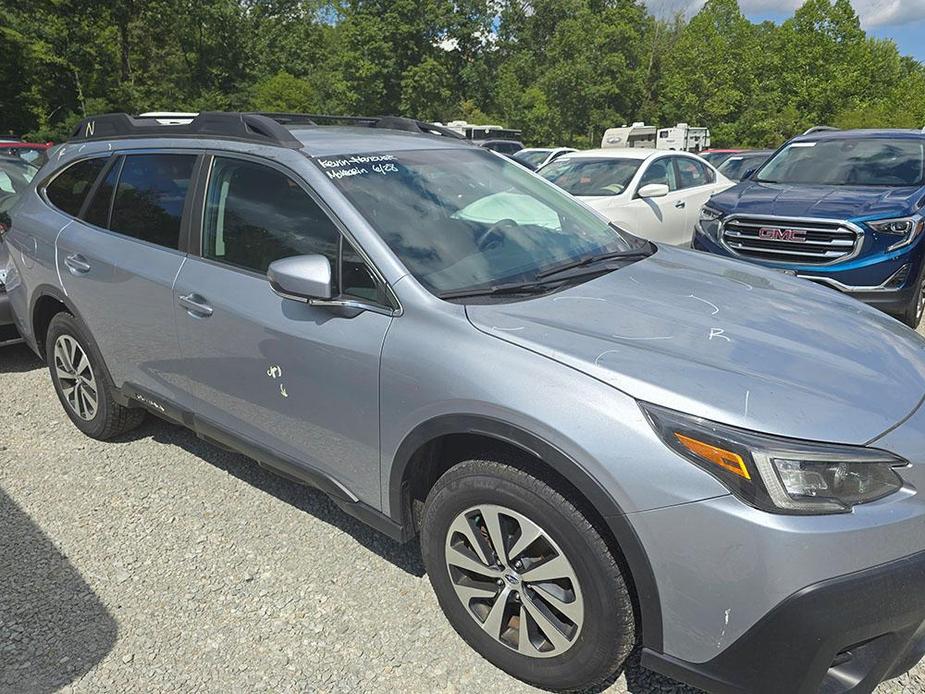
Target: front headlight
<point>777,474</point>
<point>710,221</point>
<point>907,229</point>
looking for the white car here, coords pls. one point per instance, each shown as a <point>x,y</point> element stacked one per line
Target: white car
<point>537,157</point>
<point>654,194</point>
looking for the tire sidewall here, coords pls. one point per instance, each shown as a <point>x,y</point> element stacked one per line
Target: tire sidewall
<point>66,324</point>
<point>606,627</point>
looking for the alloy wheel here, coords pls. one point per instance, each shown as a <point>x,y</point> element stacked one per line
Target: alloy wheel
<point>76,377</point>
<point>514,580</point>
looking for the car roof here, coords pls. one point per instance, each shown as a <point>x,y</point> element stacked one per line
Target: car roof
<point>879,134</point>
<point>321,141</point>
<point>619,153</point>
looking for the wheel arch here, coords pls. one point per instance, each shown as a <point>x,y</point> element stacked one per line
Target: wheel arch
<point>410,461</point>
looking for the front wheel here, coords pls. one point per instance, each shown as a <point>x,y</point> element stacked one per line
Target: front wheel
<point>525,578</point>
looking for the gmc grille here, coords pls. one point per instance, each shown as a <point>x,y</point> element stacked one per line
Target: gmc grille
<point>800,242</point>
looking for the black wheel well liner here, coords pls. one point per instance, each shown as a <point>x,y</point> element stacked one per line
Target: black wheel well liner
<point>492,430</point>
<point>41,312</point>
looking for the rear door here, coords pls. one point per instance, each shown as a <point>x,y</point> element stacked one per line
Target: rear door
<point>299,381</point>
<point>697,183</point>
<point>118,263</point>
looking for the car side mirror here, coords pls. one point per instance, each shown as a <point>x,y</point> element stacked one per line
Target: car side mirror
<point>653,190</point>
<point>302,277</point>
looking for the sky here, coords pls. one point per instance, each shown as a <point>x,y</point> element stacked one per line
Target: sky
<point>903,21</point>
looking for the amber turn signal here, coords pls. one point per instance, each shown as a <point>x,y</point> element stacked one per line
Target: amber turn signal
<point>727,460</point>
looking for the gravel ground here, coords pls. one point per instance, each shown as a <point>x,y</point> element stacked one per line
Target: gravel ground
<point>159,563</point>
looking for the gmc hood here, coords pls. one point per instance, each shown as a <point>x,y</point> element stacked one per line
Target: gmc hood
<point>730,342</point>
<point>833,202</point>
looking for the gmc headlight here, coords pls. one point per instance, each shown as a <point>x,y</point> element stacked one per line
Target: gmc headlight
<point>907,228</point>
<point>776,474</point>
<point>710,221</point>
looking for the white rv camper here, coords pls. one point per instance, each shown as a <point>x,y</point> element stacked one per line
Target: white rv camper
<point>684,138</point>
<point>636,135</point>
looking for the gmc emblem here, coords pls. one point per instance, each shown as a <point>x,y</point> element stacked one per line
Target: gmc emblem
<point>776,234</point>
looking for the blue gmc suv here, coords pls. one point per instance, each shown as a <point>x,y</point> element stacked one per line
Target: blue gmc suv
<point>844,208</point>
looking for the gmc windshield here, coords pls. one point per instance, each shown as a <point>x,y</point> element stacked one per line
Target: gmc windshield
<point>848,162</point>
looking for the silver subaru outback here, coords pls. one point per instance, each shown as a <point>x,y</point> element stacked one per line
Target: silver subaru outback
<point>601,442</point>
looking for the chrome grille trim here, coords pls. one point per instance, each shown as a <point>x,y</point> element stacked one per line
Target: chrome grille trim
<point>828,241</point>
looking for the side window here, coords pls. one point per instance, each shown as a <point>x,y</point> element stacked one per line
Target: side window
<point>692,173</point>
<point>68,189</point>
<point>98,210</point>
<point>149,199</point>
<point>255,214</point>
<point>660,171</point>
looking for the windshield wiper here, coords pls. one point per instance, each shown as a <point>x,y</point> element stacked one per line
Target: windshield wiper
<point>643,252</point>
<point>499,290</point>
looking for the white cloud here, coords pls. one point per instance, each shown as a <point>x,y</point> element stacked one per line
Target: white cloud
<point>873,13</point>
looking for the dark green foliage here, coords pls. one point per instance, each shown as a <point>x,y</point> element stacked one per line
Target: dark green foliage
<point>562,70</point>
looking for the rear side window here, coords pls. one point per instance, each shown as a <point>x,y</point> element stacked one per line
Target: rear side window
<point>256,214</point>
<point>69,188</point>
<point>692,173</point>
<point>149,199</point>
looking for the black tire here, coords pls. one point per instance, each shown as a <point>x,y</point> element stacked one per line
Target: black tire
<point>109,418</point>
<point>912,316</point>
<point>607,634</point>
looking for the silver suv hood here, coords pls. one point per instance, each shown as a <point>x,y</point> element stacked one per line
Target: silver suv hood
<point>730,342</point>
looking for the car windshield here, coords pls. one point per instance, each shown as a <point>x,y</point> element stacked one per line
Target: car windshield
<point>717,158</point>
<point>593,177</point>
<point>532,157</point>
<point>847,162</point>
<point>467,219</point>
<point>739,164</point>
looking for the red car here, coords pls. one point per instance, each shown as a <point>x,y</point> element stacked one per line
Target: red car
<point>34,153</point>
<point>718,156</point>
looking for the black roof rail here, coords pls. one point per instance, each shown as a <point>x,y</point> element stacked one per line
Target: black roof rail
<point>250,127</point>
<point>390,122</point>
<point>820,129</point>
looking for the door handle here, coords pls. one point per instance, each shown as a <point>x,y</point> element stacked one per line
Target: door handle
<point>680,204</point>
<point>77,264</point>
<point>195,305</point>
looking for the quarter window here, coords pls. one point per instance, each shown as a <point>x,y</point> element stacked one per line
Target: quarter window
<point>149,199</point>
<point>68,189</point>
<point>255,215</point>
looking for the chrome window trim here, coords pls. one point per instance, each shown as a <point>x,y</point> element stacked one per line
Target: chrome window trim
<point>781,221</point>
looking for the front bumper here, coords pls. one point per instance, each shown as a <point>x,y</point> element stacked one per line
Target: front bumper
<point>840,635</point>
<point>8,334</point>
<point>866,278</point>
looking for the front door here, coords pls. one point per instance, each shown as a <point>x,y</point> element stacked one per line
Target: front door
<point>661,219</point>
<point>300,381</point>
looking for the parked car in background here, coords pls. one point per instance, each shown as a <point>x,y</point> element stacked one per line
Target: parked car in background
<point>506,147</point>
<point>537,157</point>
<point>651,193</point>
<point>32,152</point>
<point>843,208</point>
<point>739,165</point>
<point>602,442</point>
<point>718,156</point>
<point>15,177</point>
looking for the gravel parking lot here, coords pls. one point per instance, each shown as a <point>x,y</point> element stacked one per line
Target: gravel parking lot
<point>160,563</point>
